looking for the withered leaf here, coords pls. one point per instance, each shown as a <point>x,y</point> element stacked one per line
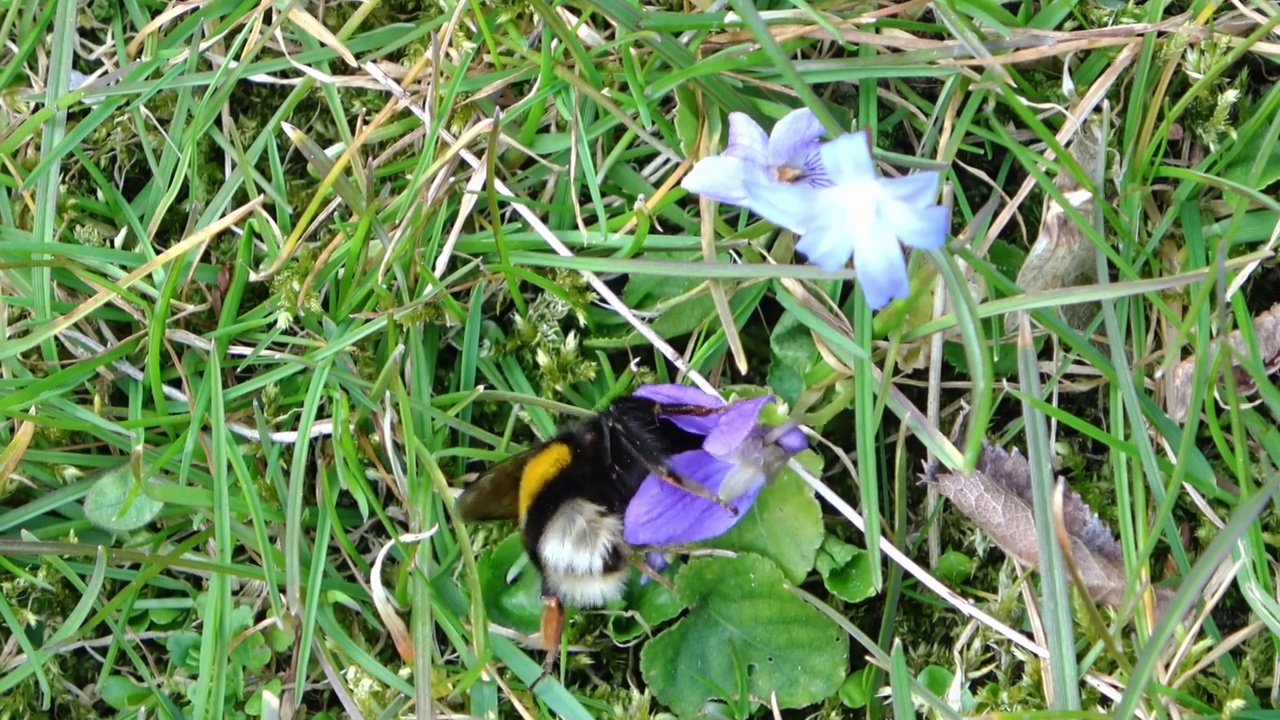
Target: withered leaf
<point>1266,330</point>
<point>997,496</point>
<point>1062,256</point>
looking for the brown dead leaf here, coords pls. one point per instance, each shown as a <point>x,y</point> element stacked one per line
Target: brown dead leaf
<point>1178,382</point>
<point>1062,256</point>
<point>997,496</point>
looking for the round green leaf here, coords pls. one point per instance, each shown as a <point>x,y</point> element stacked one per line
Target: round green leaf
<point>784,524</point>
<point>942,682</point>
<point>746,630</point>
<point>279,639</point>
<point>516,603</point>
<point>649,604</point>
<point>121,693</point>
<point>184,649</point>
<point>954,567</point>
<point>855,691</point>
<point>241,618</point>
<point>116,502</point>
<point>252,652</point>
<point>936,679</point>
<point>164,615</point>
<point>845,570</point>
<point>794,352</point>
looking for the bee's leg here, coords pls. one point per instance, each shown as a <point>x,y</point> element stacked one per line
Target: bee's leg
<point>669,409</point>
<point>552,629</point>
<point>666,475</point>
<point>643,566</point>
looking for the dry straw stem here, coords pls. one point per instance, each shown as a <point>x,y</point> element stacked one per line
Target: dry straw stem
<point>81,345</point>
<point>197,239</point>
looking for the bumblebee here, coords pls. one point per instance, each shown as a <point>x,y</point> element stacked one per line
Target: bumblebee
<point>570,493</point>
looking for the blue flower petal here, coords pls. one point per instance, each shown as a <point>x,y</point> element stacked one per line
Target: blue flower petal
<point>670,394</point>
<point>656,562</point>
<point>923,228</point>
<point>737,423</point>
<point>719,178</point>
<point>794,441</point>
<point>662,514</point>
<point>829,247</point>
<point>696,424</point>
<point>790,206</point>
<point>882,273</point>
<point>747,140</point>
<point>793,138</point>
<point>848,159</point>
<point>813,173</point>
<point>831,195</point>
<point>673,394</point>
<point>917,190</point>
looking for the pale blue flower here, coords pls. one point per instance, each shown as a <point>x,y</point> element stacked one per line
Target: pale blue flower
<point>831,195</point>
<point>791,154</point>
<point>861,216</point>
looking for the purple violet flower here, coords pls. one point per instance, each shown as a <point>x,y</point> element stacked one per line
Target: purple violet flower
<point>831,195</point>
<point>737,457</point>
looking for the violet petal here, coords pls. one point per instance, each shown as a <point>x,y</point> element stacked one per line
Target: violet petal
<point>670,394</point>
<point>794,441</point>
<point>917,190</point>
<point>656,561</point>
<point>923,228</point>
<point>794,207</point>
<point>718,178</point>
<point>882,273</point>
<point>793,137</point>
<point>673,394</point>
<point>829,247</point>
<point>662,514</point>
<point>747,140</point>
<point>736,424</point>
<point>848,159</point>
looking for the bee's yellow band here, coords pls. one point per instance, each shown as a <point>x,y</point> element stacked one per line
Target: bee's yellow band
<point>541,469</point>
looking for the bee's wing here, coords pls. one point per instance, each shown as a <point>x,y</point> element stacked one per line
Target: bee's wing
<point>495,495</point>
